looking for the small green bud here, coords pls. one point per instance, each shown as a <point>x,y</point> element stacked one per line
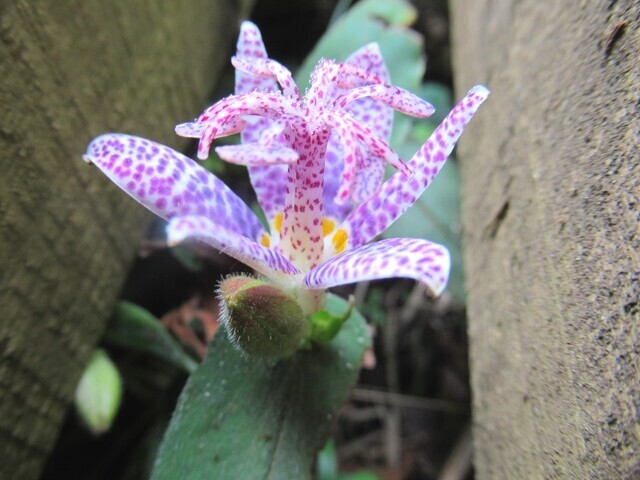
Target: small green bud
<point>325,326</point>
<point>261,318</point>
<point>99,393</point>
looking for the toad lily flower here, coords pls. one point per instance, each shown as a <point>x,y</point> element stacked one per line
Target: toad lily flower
<point>316,164</point>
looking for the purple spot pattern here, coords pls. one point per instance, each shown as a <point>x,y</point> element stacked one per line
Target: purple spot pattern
<point>268,181</point>
<point>376,116</point>
<point>256,154</point>
<point>356,137</point>
<point>421,260</point>
<point>268,68</point>
<point>333,167</point>
<point>368,179</point>
<point>170,184</point>
<point>396,97</point>
<point>251,46</point>
<point>397,194</point>
<point>196,130</point>
<point>216,117</point>
<point>264,260</point>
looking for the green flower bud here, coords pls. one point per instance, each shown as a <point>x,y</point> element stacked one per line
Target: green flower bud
<point>326,325</point>
<point>261,318</point>
<point>99,393</point>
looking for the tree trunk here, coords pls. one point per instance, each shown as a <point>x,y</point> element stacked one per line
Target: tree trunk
<point>68,72</point>
<point>551,180</point>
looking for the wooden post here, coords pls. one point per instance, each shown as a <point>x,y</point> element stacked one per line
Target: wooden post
<point>68,72</point>
<point>551,186</point>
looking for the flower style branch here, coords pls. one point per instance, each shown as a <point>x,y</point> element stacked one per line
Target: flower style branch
<point>316,163</point>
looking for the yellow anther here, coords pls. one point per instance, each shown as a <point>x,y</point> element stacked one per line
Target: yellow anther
<point>340,240</point>
<point>327,226</point>
<point>265,240</point>
<point>277,222</point>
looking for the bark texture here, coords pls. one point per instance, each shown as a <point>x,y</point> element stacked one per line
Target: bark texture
<point>551,180</point>
<point>68,72</point>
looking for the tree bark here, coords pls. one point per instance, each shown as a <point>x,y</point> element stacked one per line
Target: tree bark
<point>68,72</point>
<point>551,180</point>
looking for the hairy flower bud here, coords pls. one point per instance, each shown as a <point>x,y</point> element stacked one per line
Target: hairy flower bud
<point>261,318</point>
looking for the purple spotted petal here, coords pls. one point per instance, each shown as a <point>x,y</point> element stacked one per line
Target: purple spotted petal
<point>421,260</point>
<point>351,75</point>
<point>256,154</point>
<point>270,185</point>
<point>398,193</point>
<point>351,153</point>
<point>196,129</point>
<point>250,46</point>
<point>263,260</point>
<point>368,179</point>
<point>354,137</point>
<point>323,79</point>
<point>190,129</point>
<point>343,123</point>
<point>273,134</point>
<point>170,184</point>
<point>334,166</point>
<point>395,97</point>
<point>217,117</point>
<point>369,58</point>
<point>267,68</point>
<point>267,104</point>
<point>376,115</point>
<point>369,105</point>
<point>269,182</point>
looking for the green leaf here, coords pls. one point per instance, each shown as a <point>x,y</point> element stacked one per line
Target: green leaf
<point>134,327</point>
<point>373,307</point>
<point>381,21</point>
<point>327,462</point>
<point>242,417</point>
<point>327,466</point>
<point>440,97</point>
<point>325,325</point>
<point>360,475</point>
<point>99,393</point>
<point>187,258</point>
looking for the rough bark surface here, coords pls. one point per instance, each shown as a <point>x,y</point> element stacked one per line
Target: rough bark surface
<point>551,180</point>
<point>68,72</point>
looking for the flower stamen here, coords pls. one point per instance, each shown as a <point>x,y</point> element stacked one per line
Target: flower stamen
<point>328,224</point>
<point>339,240</point>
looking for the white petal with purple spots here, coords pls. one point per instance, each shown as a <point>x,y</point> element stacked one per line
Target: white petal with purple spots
<point>395,97</point>
<point>263,260</point>
<point>267,68</point>
<point>424,261</point>
<point>169,183</point>
<point>256,154</point>
<point>250,46</point>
